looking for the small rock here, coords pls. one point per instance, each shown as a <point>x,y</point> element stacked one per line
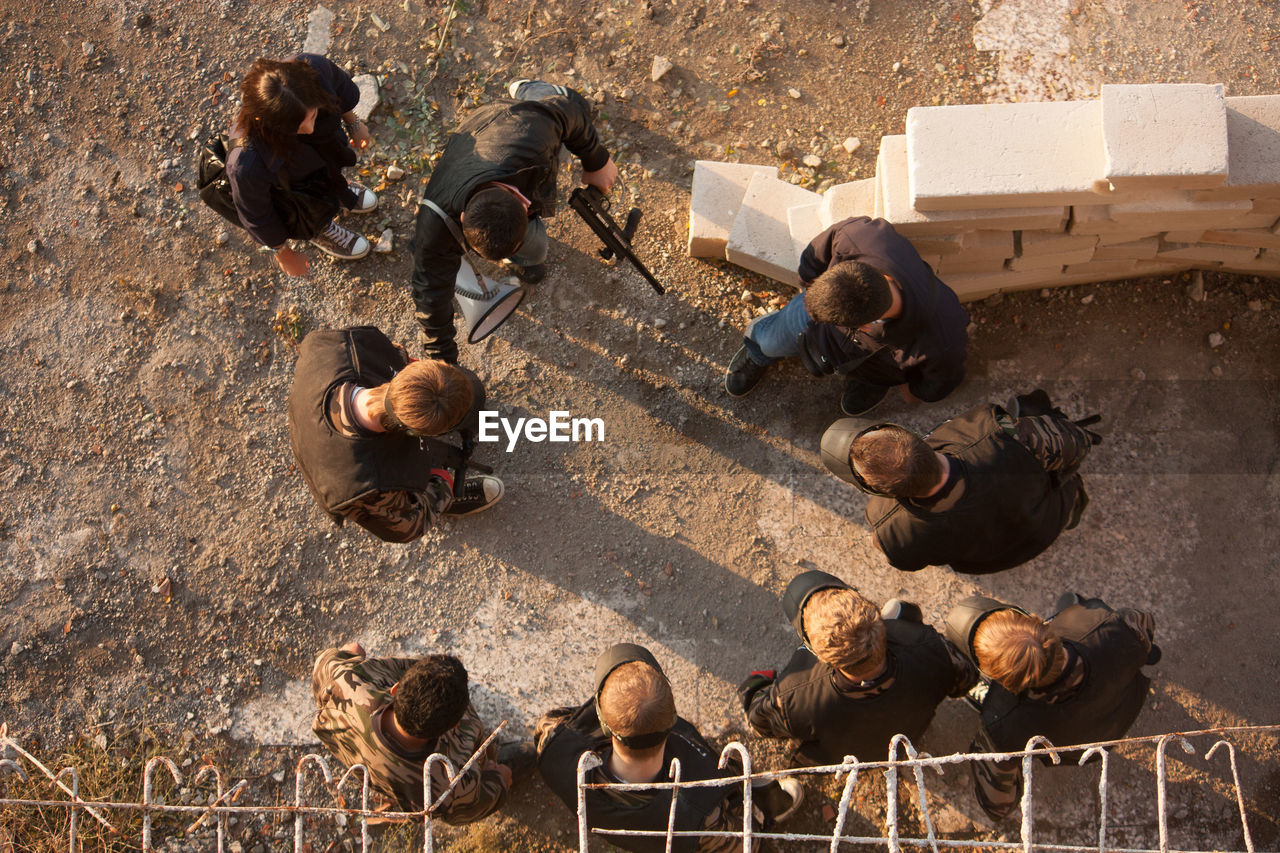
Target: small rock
<point>897,66</point>
<point>626,94</point>
<point>1138,373</point>
<point>378,22</point>
<point>995,299</point>
<point>278,776</point>
<point>1255,305</point>
<point>1216,340</point>
<point>87,48</point>
<point>1195,290</point>
<point>793,93</point>
<point>1086,300</point>
<point>661,65</point>
<point>746,297</point>
<point>100,741</point>
<point>785,150</point>
<point>142,20</point>
<point>838,41</point>
<point>33,246</point>
<point>394,172</point>
<point>852,144</point>
<point>221,238</point>
<point>384,242</point>
<point>17,648</point>
<point>1045,293</point>
<point>659,323</point>
<point>812,160</point>
<point>1216,370</point>
<point>368,86</point>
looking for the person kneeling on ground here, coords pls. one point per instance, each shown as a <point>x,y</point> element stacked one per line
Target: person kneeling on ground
<point>1075,679</point>
<point>632,727</point>
<point>391,714</point>
<point>861,677</point>
<point>360,417</point>
<point>872,311</point>
<point>984,492</point>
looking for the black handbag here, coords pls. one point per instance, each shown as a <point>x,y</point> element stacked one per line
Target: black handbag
<point>305,206</point>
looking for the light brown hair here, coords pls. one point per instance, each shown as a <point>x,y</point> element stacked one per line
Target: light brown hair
<point>428,396</point>
<point>896,461</point>
<point>845,631</point>
<point>1018,650</point>
<point>636,699</point>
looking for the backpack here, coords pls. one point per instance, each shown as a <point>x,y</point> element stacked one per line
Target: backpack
<point>306,206</point>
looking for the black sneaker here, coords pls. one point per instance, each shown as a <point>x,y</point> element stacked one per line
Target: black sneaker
<point>744,374</point>
<point>521,758</point>
<point>860,397</point>
<point>479,493</point>
<point>531,274</point>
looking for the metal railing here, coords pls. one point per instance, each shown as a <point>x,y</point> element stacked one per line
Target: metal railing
<point>917,763</point>
<point>222,802</point>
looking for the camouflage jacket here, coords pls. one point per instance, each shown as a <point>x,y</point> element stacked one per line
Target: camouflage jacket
<point>393,516</point>
<point>353,692</point>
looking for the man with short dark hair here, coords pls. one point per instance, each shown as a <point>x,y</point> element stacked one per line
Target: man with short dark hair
<point>391,714</point>
<point>632,727</point>
<point>494,186</point>
<point>870,310</point>
<point>361,415</point>
<point>1074,679</point>
<point>984,492</point>
<point>861,676</point>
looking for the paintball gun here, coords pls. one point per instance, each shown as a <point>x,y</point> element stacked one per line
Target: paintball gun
<point>593,206</point>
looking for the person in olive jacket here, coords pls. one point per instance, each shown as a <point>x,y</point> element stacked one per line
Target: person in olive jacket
<point>861,677</point>
<point>494,185</point>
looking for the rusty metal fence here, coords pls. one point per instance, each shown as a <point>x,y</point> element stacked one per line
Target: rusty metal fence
<point>903,759</point>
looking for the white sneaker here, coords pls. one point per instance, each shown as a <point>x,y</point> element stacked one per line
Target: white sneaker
<point>366,199</point>
<point>516,84</point>
<point>795,790</point>
<point>341,243</point>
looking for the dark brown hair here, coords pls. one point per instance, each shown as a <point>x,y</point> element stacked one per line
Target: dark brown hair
<point>848,294</point>
<point>895,461</point>
<point>431,696</point>
<point>494,223</point>
<point>274,99</point>
<point>636,700</point>
<point>430,397</point>
<point>1018,650</point>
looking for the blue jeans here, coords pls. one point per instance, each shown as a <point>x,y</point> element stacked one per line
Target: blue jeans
<point>773,337</point>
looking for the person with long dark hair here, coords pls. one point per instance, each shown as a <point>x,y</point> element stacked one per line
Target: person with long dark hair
<point>291,132</point>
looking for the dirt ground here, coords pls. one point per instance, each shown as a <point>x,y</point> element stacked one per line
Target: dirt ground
<point>159,554</point>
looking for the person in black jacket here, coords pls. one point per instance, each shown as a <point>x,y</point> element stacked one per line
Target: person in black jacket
<point>494,185</point>
<point>1075,679</point>
<point>632,728</point>
<point>986,491</point>
<point>861,677</point>
<point>291,122</point>
<point>360,417</point>
<point>871,310</point>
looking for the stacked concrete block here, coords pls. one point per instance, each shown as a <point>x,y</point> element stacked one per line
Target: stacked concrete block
<point>1162,136</point>
<point>760,238</point>
<point>1005,155</point>
<point>1147,181</point>
<point>718,189</point>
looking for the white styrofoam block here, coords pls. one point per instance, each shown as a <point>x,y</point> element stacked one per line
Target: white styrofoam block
<point>1117,237</point>
<point>1165,135</point>
<point>1259,238</point>
<point>939,244</point>
<point>1253,150</point>
<point>804,223</point>
<point>760,239</point>
<point>1267,263</point>
<point>1266,205</point>
<point>895,203</point>
<point>960,265</point>
<point>1091,219</point>
<point>1183,235</point>
<point>1134,250</point>
<point>1090,268</point>
<point>1197,253</point>
<point>997,155</point>
<point>1167,210</point>
<point>717,192</point>
<point>1248,220</point>
<point>1053,242</point>
<point>1060,259</point>
<point>855,198</point>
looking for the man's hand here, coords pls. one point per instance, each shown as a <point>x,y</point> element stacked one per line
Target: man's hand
<point>293,263</point>
<point>602,178</point>
<point>353,648</point>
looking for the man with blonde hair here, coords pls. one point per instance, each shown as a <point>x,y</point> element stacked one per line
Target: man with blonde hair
<point>361,418</point>
<point>632,727</point>
<point>1074,679</point>
<point>862,675</point>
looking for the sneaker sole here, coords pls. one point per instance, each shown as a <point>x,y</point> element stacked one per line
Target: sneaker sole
<point>341,257</point>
